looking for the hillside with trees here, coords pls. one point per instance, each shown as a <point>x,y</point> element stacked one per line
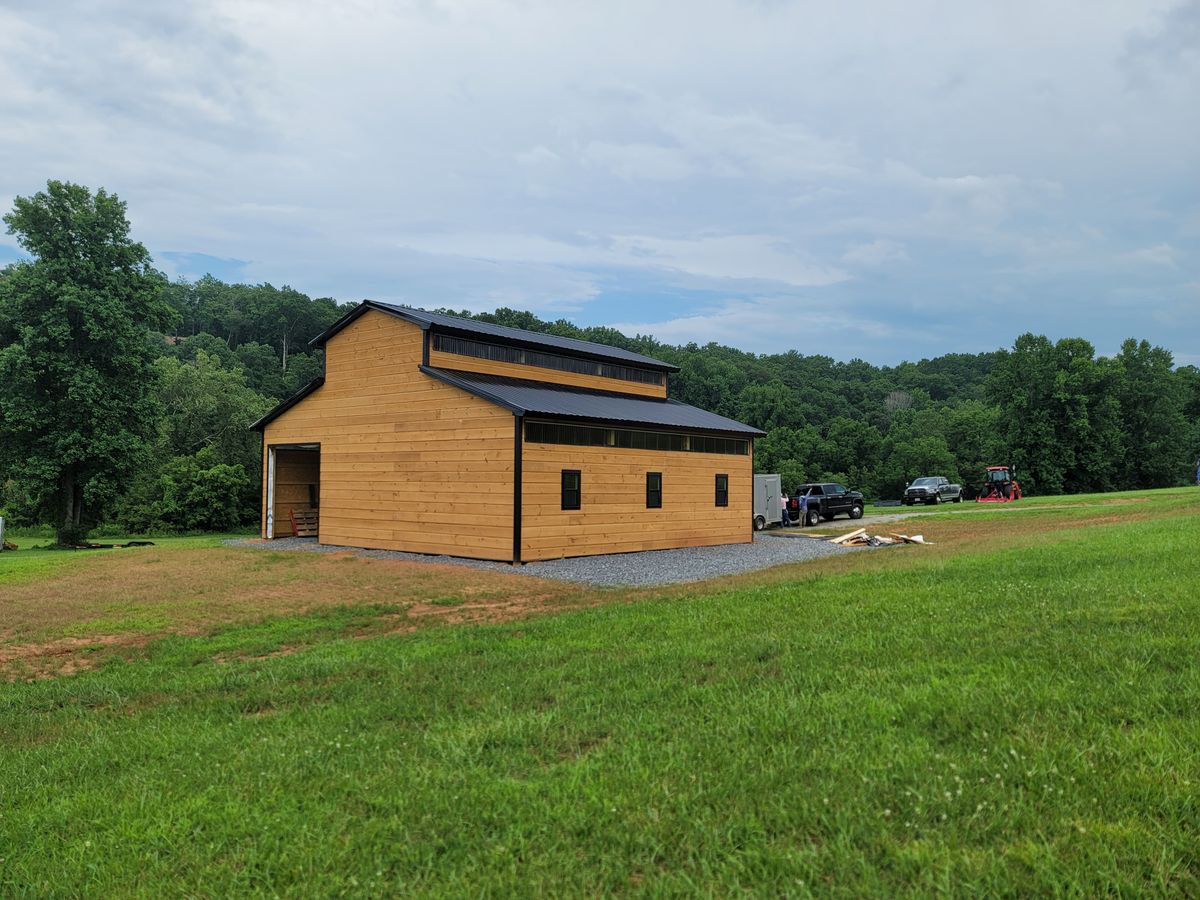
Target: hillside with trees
<point>1069,420</point>
<point>127,397</point>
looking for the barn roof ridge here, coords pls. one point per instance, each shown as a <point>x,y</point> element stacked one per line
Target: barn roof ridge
<point>538,339</point>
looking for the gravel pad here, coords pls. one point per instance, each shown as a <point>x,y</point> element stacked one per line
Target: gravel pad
<point>642,569</point>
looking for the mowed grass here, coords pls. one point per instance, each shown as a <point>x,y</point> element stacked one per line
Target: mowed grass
<point>29,564</point>
<point>971,507</point>
<point>1013,710</point>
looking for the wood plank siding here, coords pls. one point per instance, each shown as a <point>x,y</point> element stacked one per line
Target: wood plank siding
<point>613,517</point>
<point>441,360</point>
<point>406,462</point>
<point>409,462</point>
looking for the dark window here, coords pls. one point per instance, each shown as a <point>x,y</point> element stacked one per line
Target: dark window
<point>838,489</point>
<point>589,436</point>
<point>503,353</point>
<point>654,490</point>
<point>572,488</point>
<point>722,490</point>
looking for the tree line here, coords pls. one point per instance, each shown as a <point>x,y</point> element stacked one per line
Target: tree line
<point>126,398</point>
<point>1069,420</point>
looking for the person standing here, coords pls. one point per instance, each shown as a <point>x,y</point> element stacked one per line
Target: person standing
<point>783,502</point>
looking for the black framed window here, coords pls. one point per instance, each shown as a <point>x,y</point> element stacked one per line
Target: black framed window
<point>572,488</point>
<point>654,490</point>
<point>722,490</point>
<point>504,353</point>
<point>593,436</point>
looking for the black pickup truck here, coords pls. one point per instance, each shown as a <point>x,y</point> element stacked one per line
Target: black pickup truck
<point>826,500</point>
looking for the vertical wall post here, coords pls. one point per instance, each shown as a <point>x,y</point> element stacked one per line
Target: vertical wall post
<point>781,522</point>
<point>270,493</point>
<point>518,443</point>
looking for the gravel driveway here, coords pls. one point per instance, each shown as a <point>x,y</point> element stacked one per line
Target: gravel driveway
<point>643,569</point>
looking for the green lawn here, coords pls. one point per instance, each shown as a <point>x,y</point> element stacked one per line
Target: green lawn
<point>1185,494</point>
<point>1009,720</point>
<point>28,563</point>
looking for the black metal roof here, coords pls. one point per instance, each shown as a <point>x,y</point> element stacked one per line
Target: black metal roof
<point>287,404</point>
<point>558,401</point>
<point>518,336</point>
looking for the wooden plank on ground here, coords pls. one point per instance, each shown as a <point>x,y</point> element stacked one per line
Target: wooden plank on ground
<point>848,536</point>
<point>913,539</point>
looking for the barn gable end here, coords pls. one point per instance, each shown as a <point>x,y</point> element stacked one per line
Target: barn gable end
<point>407,462</point>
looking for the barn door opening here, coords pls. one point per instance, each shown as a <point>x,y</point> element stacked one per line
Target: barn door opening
<point>293,500</point>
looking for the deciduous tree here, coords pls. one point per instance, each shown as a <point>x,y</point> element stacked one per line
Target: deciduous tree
<point>75,353</point>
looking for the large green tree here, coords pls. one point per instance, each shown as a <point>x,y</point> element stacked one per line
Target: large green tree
<point>207,405</point>
<point>1152,398</point>
<point>1060,413</point>
<point>76,353</point>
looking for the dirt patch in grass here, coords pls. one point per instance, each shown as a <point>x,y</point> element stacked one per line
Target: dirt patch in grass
<point>224,658</point>
<point>61,656</point>
<point>186,590</point>
<point>499,609</point>
<point>85,613</point>
<point>109,601</point>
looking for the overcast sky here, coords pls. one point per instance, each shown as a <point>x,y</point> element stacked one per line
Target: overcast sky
<point>883,180</point>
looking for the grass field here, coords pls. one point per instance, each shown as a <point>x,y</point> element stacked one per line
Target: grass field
<point>1012,710</point>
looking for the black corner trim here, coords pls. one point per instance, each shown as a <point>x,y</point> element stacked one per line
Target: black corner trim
<point>288,404</point>
<point>518,445</point>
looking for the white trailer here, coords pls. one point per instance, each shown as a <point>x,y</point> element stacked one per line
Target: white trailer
<point>767,508</point>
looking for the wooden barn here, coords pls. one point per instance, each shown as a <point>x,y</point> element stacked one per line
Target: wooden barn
<point>438,434</point>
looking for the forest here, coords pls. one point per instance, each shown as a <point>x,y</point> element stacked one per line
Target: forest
<point>1070,421</point>
<point>163,443</point>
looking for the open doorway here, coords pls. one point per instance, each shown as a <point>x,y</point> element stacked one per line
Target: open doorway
<point>293,500</point>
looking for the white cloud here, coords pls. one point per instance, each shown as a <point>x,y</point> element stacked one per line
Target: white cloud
<point>764,323</point>
<point>544,154</point>
<point>637,161</point>
<point>876,253</point>
<point>1158,255</point>
<point>749,257</point>
<point>539,155</point>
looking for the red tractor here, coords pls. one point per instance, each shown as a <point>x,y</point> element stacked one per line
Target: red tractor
<point>1000,485</point>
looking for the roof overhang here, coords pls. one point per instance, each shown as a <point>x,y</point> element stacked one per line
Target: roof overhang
<point>474,387</point>
<point>287,404</point>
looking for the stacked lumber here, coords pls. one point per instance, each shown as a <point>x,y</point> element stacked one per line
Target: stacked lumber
<point>860,538</point>
<point>853,537</point>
